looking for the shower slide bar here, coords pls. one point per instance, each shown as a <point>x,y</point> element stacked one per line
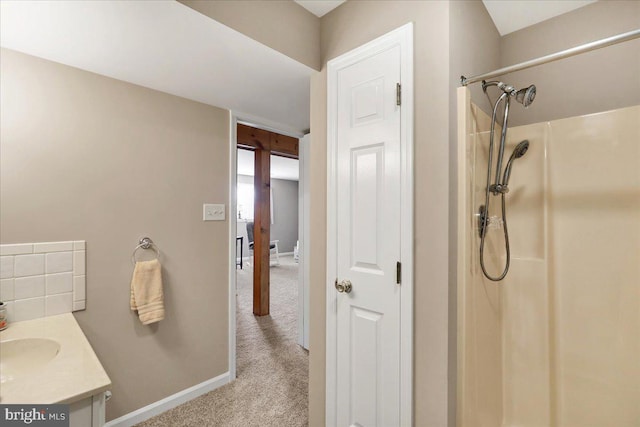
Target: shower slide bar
<point>598,44</point>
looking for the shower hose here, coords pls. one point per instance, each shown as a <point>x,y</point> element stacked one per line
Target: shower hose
<point>484,216</point>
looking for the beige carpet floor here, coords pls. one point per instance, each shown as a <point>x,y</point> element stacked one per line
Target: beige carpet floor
<point>271,388</point>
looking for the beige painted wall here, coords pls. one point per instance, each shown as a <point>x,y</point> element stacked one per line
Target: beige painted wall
<point>85,157</point>
<point>282,25</point>
<point>601,80</point>
<point>474,48</point>
<point>353,24</point>
<point>318,249</point>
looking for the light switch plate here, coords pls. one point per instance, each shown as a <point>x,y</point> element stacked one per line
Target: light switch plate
<point>211,212</point>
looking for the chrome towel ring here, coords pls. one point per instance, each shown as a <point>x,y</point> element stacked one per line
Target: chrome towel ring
<point>145,243</point>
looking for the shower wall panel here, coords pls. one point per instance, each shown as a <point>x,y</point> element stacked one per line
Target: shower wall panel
<point>557,342</point>
<point>479,312</point>
<point>525,290</point>
<point>594,171</point>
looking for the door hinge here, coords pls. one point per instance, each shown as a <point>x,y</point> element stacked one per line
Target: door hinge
<point>398,272</point>
<point>398,94</point>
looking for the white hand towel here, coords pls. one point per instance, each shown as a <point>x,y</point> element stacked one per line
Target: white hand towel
<point>146,291</point>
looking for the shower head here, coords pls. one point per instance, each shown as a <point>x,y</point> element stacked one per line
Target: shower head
<point>518,152</point>
<point>523,96</point>
<point>526,96</point>
<point>503,86</point>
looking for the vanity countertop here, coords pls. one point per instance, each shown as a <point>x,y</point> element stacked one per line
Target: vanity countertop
<point>73,374</point>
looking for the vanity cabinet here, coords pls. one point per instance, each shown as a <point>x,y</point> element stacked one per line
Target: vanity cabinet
<point>88,412</point>
<point>53,362</point>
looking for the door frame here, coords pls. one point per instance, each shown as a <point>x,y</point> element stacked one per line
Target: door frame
<point>304,239</point>
<point>236,117</point>
<point>402,37</point>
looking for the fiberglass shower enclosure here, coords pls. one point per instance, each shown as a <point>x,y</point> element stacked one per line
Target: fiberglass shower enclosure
<point>557,341</point>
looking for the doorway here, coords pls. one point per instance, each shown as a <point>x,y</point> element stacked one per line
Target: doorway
<point>270,365</point>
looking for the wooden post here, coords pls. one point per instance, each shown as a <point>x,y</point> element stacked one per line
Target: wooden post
<point>263,143</point>
<point>261,232</point>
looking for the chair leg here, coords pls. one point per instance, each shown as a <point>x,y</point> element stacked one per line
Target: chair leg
<point>277,255</point>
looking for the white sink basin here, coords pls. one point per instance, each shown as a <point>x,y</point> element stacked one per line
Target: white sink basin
<point>24,356</point>
<point>48,360</point>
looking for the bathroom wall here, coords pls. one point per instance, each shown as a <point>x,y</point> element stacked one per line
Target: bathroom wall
<point>351,25</point>
<point>88,157</point>
<point>556,342</point>
<point>282,25</point>
<point>318,250</point>
<point>596,81</point>
<point>438,27</point>
<point>474,48</point>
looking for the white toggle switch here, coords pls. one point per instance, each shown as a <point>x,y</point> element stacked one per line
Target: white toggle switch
<point>212,212</point>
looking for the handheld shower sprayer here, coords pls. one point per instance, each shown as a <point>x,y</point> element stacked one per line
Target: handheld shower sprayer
<point>501,186</point>
<point>518,152</point>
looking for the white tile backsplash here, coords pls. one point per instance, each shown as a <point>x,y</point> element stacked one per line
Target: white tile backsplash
<point>59,283</point>
<point>79,263</point>
<point>9,306</point>
<point>39,248</point>
<point>6,290</point>
<point>27,309</point>
<point>29,287</point>
<point>79,288</point>
<point>59,262</point>
<point>6,267</point>
<point>43,279</point>
<point>28,265</point>
<point>58,304</point>
<point>18,249</point>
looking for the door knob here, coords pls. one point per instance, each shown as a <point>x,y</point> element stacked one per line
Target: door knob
<point>344,286</point>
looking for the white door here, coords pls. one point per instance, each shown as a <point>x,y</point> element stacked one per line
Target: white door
<point>368,246</point>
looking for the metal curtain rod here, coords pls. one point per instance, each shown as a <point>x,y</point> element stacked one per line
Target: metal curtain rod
<point>598,44</point>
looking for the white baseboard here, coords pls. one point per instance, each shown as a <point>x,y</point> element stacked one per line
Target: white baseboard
<point>169,402</point>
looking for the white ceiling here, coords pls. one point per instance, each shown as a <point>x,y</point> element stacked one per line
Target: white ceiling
<point>281,167</point>
<point>513,15</point>
<point>167,46</point>
<point>508,15</point>
<point>320,7</point>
